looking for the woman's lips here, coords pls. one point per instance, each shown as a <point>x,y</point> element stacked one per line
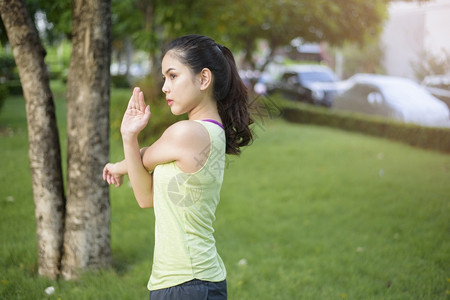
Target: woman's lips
<point>169,101</point>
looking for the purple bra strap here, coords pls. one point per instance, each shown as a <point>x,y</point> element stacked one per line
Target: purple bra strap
<point>214,121</point>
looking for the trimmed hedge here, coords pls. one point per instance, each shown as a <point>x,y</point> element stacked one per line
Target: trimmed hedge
<point>3,94</point>
<point>7,66</point>
<point>411,134</point>
<point>9,77</point>
<point>14,87</point>
<point>120,81</point>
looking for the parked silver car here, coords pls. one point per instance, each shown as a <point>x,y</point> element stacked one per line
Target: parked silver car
<point>438,86</point>
<point>393,97</point>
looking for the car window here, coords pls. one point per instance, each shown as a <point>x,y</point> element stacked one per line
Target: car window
<point>363,91</point>
<point>290,78</point>
<point>316,76</point>
<point>362,94</point>
<point>375,98</point>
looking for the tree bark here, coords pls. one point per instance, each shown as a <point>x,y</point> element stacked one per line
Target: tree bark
<point>44,147</point>
<point>86,234</point>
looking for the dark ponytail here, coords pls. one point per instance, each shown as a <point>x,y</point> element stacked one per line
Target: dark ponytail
<point>198,52</point>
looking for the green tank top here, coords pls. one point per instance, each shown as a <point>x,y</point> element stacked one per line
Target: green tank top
<point>184,206</point>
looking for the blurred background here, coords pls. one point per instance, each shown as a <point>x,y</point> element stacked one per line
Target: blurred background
<point>406,39</point>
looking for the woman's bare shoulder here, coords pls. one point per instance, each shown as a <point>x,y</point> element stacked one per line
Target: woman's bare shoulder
<point>180,142</point>
<point>186,130</point>
<point>192,138</point>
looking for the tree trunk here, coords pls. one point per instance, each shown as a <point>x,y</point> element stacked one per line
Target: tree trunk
<point>86,235</point>
<point>44,148</point>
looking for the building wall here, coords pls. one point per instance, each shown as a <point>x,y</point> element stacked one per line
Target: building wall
<point>411,30</point>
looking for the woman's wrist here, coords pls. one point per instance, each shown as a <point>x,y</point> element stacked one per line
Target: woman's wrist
<point>129,136</point>
<point>120,168</point>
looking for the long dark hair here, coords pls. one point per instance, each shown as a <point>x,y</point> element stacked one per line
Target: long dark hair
<point>198,52</point>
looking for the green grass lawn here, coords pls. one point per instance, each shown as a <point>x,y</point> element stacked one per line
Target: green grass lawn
<point>307,212</point>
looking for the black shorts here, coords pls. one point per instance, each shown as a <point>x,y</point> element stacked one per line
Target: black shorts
<point>193,290</point>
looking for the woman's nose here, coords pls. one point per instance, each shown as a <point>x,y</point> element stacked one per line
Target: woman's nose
<point>164,88</point>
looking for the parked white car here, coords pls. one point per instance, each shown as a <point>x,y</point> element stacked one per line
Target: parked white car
<point>393,97</point>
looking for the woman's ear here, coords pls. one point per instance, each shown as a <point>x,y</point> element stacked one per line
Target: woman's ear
<point>205,78</point>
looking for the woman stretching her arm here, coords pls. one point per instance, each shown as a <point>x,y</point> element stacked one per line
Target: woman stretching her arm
<point>181,174</point>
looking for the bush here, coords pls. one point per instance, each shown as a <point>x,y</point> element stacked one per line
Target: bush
<point>14,87</point>
<point>9,76</point>
<point>55,74</point>
<point>414,135</point>
<point>7,66</point>
<point>120,81</point>
<point>3,94</point>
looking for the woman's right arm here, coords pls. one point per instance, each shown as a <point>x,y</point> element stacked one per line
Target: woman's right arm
<point>134,120</point>
<point>113,172</point>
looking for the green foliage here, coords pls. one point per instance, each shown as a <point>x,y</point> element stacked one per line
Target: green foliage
<point>415,135</point>
<point>120,81</point>
<point>9,78</point>
<point>155,23</point>
<point>279,22</point>
<point>6,69</point>
<point>3,94</point>
<point>152,24</point>
<point>7,66</point>
<point>58,19</point>
<point>58,59</point>
<point>431,64</point>
<point>306,212</point>
<point>118,105</point>
<point>58,15</point>
<point>14,87</point>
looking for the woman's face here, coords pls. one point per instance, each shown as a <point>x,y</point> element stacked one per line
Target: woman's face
<point>181,86</point>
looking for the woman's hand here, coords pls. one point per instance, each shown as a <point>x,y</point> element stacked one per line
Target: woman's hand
<point>136,116</point>
<point>111,175</point>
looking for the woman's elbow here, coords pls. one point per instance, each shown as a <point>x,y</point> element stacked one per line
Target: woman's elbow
<point>145,202</point>
<point>146,205</point>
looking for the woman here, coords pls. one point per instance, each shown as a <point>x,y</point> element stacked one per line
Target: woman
<point>181,174</point>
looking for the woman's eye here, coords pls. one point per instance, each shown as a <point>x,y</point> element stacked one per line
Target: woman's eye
<point>171,76</point>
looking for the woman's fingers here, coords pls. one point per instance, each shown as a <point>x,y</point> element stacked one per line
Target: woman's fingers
<point>111,178</point>
<point>117,184</point>
<point>147,113</point>
<point>133,103</point>
<point>136,93</point>
<point>141,101</point>
<point>105,172</point>
<point>107,176</point>
<point>137,100</point>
